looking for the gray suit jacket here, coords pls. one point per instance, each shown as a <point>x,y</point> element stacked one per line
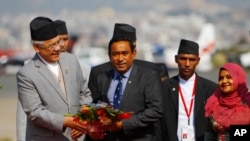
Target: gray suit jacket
<point>43,100</point>
<point>21,122</point>
<point>142,96</point>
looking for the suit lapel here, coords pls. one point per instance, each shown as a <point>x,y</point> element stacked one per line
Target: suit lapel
<point>199,97</point>
<point>174,94</point>
<point>64,66</point>
<point>106,83</point>
<point>129,86</point>
<point>46,73</point>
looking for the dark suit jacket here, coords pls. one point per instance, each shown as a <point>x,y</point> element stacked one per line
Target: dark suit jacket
<point>142,96</point>
<point>160,68</point>
<point>170,107</point>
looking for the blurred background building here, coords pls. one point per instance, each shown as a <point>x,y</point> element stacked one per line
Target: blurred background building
<point>160,25</point>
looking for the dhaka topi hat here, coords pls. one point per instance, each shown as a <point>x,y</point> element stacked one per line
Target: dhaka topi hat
<point>42,29</point>
<point>188,47</point>
<point>124,31</point>
<point>61,27</point>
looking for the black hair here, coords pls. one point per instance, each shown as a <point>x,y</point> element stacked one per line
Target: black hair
<point>132,44</point>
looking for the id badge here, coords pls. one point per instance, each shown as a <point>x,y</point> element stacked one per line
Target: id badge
<point>187,133</point>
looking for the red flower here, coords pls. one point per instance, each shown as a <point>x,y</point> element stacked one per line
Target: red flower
<point>85,109</point>
<point>95,116</point>
<point>126,115</point>
<point>101,112</point>
<point>76,119</point>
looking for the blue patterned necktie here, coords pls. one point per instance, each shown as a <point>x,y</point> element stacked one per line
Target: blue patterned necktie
<point>118,92</point>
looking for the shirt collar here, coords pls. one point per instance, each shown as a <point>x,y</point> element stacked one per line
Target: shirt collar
<point>126,74</point>
<point>191,79</point>
<point>47,63</point>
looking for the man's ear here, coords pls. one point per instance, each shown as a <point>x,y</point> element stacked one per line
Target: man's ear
<point>176,58</point>
<point>198,60</point>
<point>134,43</point>
<point>36,48</point>
<point>135,52</point>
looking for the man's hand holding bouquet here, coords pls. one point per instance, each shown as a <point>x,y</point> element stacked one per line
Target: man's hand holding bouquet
<point>99,118</point>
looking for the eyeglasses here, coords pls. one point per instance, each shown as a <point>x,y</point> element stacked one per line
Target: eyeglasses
<point>53,45</point>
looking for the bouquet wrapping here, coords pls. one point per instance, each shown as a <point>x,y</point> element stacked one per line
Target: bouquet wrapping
<point>95,116</point>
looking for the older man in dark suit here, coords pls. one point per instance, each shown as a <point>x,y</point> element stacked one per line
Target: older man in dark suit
<point>140,92</point>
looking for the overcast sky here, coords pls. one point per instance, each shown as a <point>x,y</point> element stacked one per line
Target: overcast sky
<point>24,6</point>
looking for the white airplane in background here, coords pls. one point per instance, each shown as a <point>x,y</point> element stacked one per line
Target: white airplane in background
<point>206,43</point>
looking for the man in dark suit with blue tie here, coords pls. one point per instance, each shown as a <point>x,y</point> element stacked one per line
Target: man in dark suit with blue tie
<point>140,93</point>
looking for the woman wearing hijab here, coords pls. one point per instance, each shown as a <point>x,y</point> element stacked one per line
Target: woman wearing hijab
<point>229,104</point>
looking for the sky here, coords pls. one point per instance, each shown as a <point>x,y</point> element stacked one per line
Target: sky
<point>55,6</point>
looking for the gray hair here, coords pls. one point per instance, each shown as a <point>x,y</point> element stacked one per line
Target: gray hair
<point>39,43</point>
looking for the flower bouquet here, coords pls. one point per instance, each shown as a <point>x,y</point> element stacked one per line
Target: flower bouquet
<point>95,116</point>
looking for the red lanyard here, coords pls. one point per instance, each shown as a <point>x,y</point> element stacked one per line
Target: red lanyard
<point>188,113</point>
